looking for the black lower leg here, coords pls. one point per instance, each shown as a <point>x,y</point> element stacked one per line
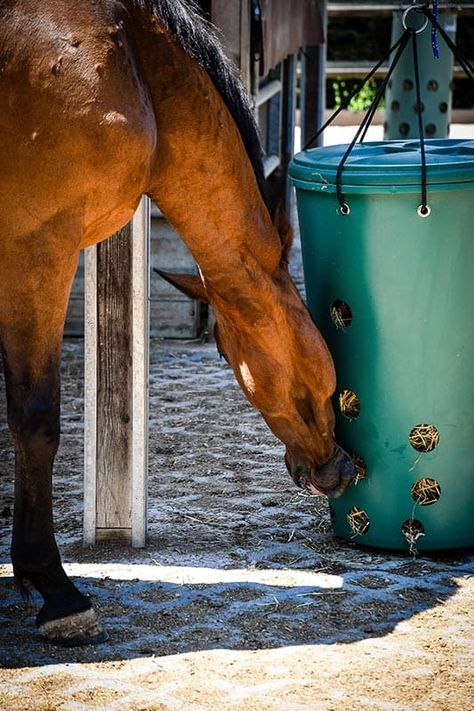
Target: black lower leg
<point>33,416</point>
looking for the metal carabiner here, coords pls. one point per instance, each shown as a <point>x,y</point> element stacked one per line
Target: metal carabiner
<point>417,6</point>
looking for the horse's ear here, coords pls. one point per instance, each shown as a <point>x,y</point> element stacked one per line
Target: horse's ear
<point>282,224</point>
<point>190,284</point>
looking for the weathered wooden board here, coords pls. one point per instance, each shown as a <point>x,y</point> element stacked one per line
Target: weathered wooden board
<point>114,295</point>
<point>116,384</point>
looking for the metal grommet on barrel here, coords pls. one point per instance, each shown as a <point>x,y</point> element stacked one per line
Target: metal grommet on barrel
<point>423,210</point>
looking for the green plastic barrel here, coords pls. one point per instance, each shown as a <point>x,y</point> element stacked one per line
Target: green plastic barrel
<point>436,74</point>
<point>393,293</point>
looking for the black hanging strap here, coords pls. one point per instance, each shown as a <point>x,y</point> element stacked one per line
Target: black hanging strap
<point>365,123</point>
<point>399,46</point>
<point>423,209</point>
<point>347,100</point>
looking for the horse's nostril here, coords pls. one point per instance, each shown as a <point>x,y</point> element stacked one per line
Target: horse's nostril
<point>299,476</point>
<point>348,468</point>
<point>343,464</point>
<point>300,479</point>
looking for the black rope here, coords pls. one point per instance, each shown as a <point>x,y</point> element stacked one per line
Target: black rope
<point>382,88</point>
<point>419,110</point>
<point>361,132</point>
<point>368,118</point>
<point>346,101</point>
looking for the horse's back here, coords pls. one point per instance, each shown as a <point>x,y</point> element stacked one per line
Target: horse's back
<point>77,125</point>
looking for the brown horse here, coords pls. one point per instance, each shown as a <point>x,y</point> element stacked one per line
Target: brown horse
<point>104,101</point>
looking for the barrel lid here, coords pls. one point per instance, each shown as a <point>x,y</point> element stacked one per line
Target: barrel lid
<point>387,163</point>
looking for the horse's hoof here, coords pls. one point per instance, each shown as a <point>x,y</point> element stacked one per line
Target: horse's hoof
<point>74,630</point>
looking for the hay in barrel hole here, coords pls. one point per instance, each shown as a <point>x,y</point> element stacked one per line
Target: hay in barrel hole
<point>426,491</point>
<point>412,530</point>
<point>349,404</point>
<point>341,314</point>
<point>358,521</point>
<point>424,437</point>
<point>360,467</point>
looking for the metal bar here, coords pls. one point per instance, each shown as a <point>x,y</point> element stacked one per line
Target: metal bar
<point>288,123</point>
<point>335,69</point>
<point>267,91</point>
<point>274,115</point>
<point>369,9</point>
<point>270,163</point>
<point>353,118</point>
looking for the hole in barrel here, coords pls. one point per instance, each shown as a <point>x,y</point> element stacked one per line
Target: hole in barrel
<point>426,491</point>
<point>358,521</point>
<point>341,313</point>
<point>424,437</point>
<point>360,467</point>
<point>412,529</point>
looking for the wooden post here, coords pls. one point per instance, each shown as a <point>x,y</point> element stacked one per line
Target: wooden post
<point>116,383</point>
<point>313,86</point>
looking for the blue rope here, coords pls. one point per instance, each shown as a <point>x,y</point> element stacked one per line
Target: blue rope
<point>465,64</point>
<point>434,31</point>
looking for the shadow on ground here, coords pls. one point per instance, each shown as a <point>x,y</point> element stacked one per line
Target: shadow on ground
<point>237,610</point>
<point>236,558</point>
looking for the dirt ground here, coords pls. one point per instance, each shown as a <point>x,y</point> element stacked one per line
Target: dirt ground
<point>243,598</point>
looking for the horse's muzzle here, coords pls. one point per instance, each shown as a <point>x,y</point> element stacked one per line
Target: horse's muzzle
<point>330,480</point>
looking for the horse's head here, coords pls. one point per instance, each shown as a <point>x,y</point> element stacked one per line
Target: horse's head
<point>282,363</point>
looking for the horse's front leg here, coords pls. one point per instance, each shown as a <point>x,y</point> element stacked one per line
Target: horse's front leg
<point>31,334</point>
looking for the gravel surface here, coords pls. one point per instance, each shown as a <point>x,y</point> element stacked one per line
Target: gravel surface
<point>243,598</point>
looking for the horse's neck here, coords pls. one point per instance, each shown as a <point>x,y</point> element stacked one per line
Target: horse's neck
<point>202,178</point>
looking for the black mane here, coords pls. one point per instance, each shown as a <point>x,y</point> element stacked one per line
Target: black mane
<point>198,39</point>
